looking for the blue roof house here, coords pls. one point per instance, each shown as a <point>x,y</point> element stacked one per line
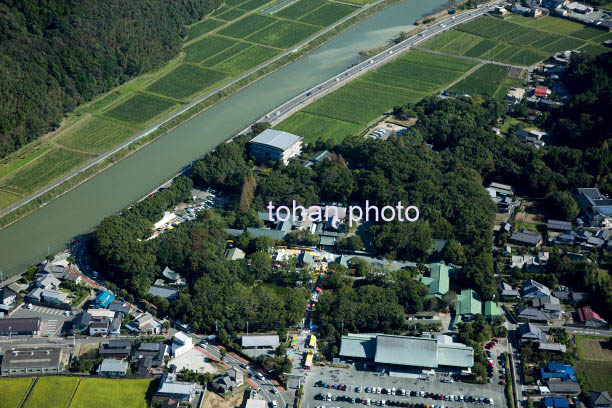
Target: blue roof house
<point>559,370</point>
<point>104,299</point>
<point>556,402</point>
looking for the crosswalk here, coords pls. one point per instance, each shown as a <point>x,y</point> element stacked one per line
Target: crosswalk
<point>51,327</point>
<point>46,310</point>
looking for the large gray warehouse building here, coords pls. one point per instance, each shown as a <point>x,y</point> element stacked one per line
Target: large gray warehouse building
<point>275,145</point>
<point>414,352</point>
<point>31,361</point>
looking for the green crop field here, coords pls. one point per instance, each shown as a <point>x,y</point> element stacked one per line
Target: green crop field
<point>203,27</point>
<point>300,8</point>
<point>400,82</point>
<point>597,349</point>
<point>249,58</point>
<point>565,43</point>
<point>228,53</point>
<point>95,135</point>
<point>489,27</point>
<point>532,37</point>
<point>440,41</point>
<point>557,25</point>
<point>140,108</point>
<point>485,81</point>
<point>595,49</point>
<point>596,375</point>
<point>587,33</point>
<point>361,101</point>
<point>519,31</point>
<point>44,170</point>
<point>7,198</point>
<point>283,34</point>
<point>314,128</point>
<point>13,391</point>
<point>253,4</point>
<point>328,14</point>
<point>462,43</point>
<point>52,392</point>
<point>526,57</point>
<point>420,72</point>
<point>437,61</point>
<point>24,157</point>
<point>544,41</point>
<point>220,10</point>
<point>234,2</point>
<point>104,393</point>
<point>231,14</point>
<point>360,2</point>
<point>185,81</point>
<point>207,47</point>
<point>480,49</point>
<point>504,54</point>
<point>247,26</point>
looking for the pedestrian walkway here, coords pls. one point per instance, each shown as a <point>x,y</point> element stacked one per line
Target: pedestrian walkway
<point>51,327</point>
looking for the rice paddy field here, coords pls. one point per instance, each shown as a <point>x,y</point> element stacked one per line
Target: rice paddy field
<point>52,392</point>
<point>117,393</point>
<point>13,391</point>
<point>518,40</point>
<point>350,109</point>
<point>595,363</point>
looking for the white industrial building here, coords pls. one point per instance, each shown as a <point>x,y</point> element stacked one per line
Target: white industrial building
<point>276,145</point>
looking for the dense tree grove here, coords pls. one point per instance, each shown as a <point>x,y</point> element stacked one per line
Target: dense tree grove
<point>57,54</point>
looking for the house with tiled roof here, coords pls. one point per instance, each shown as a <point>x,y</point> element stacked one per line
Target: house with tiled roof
<point>589,318</point>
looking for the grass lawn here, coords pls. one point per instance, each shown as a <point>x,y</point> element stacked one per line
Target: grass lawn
<point>52,392</point>
<point>529,226</point>
<point>283,34</point>
<point>328,14</point>
<point>13,391</point>
<point>314,127</point>
<point>95,134</point>
<point>203,27</point>
<point>247,26</point>
<point>46,169</point>
<point>140,108</point>
<point>300,9</point>
<point>185,81</point>
<point>104,393</point>
<point>596,375</point>
<point>249,58</point>
<point>207,47</point>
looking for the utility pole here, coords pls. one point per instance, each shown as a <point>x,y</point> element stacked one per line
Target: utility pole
<point>247,327</point>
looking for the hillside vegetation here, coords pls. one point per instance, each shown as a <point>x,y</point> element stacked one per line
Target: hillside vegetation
<point>56,54</point>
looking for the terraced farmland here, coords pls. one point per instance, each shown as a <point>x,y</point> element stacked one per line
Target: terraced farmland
<point>283,34</point>
<point>185,81</point>
<point>140,108</point>
<point>300,9</point>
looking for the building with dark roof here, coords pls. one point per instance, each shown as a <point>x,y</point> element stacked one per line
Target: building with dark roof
<point>600,399</point>
<point>169,386</point>
<point>533,288</point>
<point>111,367</point>
<point>532,314</point>
<point>20,326</point>
<point>563,387</point>
<point>563,226</point>
<point>165,292</point>
<point>275,145</point>
<point>157,352</point>
<point>532,332</point>
<point>118,306</point>
<point>116,348</point>
<point>81,322</point>
<point>32,361</point>
<point>596,206</point>
<point>526,238</point>
<point>7,296</point>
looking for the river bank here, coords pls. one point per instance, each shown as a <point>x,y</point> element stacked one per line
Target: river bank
<point>17,211</point>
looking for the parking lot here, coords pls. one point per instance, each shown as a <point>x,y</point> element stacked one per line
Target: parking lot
<point>353,378</point>
<point>52,319</point>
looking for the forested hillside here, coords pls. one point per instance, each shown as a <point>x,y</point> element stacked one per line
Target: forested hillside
<point>56,54</point>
